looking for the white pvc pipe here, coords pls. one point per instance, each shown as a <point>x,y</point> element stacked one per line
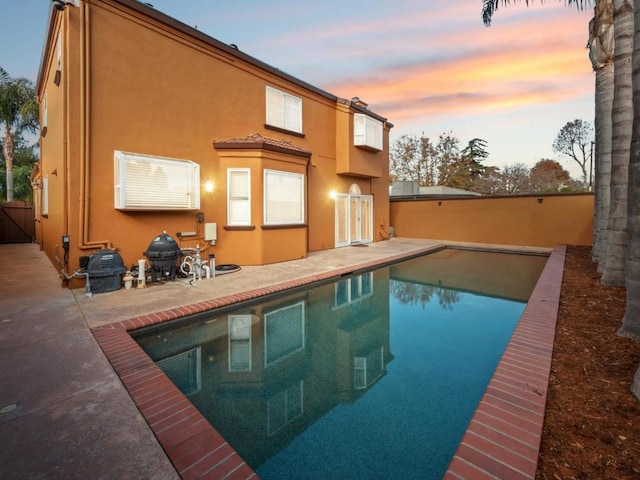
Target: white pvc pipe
<point>142,274</point>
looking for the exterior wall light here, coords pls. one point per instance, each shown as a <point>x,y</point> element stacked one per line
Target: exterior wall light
<point>61,4</point>
<point>332,194</point>
<point>208,186</point>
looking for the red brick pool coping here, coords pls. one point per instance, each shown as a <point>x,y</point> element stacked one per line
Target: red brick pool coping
<point>501,442</point>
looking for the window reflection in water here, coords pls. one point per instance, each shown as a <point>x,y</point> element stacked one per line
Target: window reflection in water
<point>294,370</point>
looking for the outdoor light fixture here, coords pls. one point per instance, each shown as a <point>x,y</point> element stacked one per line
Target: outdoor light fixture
<point>540,200</point>
<point>61,4</point>
<point>332,194</point>
<point>208,187</point>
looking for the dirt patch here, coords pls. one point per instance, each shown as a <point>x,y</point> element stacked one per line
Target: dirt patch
<point>592,421</point>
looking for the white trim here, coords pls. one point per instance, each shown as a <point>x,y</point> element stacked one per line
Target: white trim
<point>345,234</point>
<point>283,110</point>
<point>244,202</point>
<point>240,345</point>
<point>147,182</point>
<point>271,318</point>
<point>45,195</point>
<point>367,131</point>
<point>283,198</point>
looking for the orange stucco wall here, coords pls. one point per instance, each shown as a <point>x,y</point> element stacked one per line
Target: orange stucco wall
<point>134,83</point>
<point>539,221</point>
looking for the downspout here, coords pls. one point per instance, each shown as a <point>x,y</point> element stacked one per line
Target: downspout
<point>64,27</point>
<point>85,134</point>
<point>306,200</point>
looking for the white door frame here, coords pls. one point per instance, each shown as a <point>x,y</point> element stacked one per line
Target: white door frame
<point>349,230</point>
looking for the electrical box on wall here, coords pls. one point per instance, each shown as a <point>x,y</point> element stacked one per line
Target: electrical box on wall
<point>211,232</point>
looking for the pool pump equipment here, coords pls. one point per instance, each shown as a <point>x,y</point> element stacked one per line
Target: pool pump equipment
<point>163,253</point>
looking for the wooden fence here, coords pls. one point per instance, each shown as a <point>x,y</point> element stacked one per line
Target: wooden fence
<point>16,223</point>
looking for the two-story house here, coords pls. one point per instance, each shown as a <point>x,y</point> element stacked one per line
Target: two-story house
<point>149,125</point>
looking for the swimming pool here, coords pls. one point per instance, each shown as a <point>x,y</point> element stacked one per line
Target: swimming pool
<point>385,366</point>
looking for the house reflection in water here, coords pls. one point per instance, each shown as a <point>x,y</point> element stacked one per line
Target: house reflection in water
<point>265,372</point>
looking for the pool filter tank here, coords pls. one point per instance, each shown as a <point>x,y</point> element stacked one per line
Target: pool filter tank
<point>163,253</point>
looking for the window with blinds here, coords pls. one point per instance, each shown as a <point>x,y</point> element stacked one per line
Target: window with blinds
<point>145,182</point>
<point>367,131</point>
<point>239,196</point>
<point>284,110</point>
<point>283,198</point>
<point>239,343</point>
<point>184,370</point>
<point>45,195</point>
<point>284,332</point>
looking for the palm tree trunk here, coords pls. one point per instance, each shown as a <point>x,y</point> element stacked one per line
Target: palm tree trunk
<point>631,322</point>
<point>622,118</point>
<point>8,151</point>
<point>601,43</point>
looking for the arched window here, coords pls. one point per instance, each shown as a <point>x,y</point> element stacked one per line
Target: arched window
<point>354,189</point>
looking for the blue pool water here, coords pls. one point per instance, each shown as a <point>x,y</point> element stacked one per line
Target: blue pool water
<point>374,376</point>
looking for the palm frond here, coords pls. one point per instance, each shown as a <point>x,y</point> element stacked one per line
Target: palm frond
<point>490,7</point>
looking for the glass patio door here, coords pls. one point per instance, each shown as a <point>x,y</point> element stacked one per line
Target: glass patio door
<point>355,222</point>
<point>354,219</point>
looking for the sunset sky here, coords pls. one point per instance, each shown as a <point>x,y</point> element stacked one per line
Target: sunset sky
<point>429,66</point>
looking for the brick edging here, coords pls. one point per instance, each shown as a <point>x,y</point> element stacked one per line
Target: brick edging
<point>502,440</point>
<point>193,445</point>
<point>503,437</point>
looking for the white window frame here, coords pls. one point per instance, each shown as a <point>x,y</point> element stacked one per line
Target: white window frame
<point>283,195</point>
<point>367,131</point>
<point>240,345</point>
<point>368,370</point>
<point>45,111</point>
<point>353,289</point>
<point>275,317</point>
<point>187,363</point>
<point>283,110</point>
<point>45,195</point>
<point>59,52</point>
<point>136,182</point>
<point>284,407</point>
<point>233,198</point>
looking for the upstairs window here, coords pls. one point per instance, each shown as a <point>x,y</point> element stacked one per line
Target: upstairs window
<point>56,78</point>
<point>45,196</point>
<point>239,196</point>
<point>284,110</point>
<point>45,114</point>
<point>145,182</point>
<point>367,131</point>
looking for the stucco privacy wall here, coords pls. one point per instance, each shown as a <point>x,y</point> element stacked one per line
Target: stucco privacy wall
<point>135,80</point>
<point>537,221</point>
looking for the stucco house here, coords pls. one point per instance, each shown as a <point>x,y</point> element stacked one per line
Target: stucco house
<point>149,125</point>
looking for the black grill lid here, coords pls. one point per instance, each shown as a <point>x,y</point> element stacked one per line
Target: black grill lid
<point>105,263</point>
<point>163,247</point>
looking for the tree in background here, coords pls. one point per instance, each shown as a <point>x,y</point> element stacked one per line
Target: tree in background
<point>18,114</point>
<point>450,168</point>
<point>516,179</point>
<point>25,156</point>
<point>575,141</point>
<point>418,159</point>
<point>548,176</point>
<point>412,158</point>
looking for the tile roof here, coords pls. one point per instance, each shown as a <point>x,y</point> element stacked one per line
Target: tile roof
<point>258,140</point>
